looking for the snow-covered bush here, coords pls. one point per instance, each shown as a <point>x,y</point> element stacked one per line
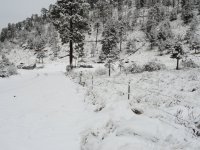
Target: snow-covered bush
<point>92,138</point>
<point>189,64</point>
<point>6,67</point>
<point>12,70</point>
<point>101,71</point>
<point>153,66</point>
<point>130,47</point>
<point>133,68</point>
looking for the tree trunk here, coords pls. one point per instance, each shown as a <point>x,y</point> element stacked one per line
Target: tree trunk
<point>109,69</point>
<point>177,66</point>
<point>97,36</point>
<point>71,54</point>
<point>120,45</point>
<point>71,41</point>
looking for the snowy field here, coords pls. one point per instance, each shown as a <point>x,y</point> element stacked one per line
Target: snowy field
<point>43,109</point>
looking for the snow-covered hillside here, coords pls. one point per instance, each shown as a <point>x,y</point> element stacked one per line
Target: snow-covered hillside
<point>102,75</point>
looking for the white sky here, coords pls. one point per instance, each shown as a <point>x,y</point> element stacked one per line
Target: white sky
<point>13,11</point>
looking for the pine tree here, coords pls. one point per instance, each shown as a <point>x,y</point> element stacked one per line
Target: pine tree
<point>103,10</point>
<point>187,14</point>
<point>70,18</point>
<point>178,53</point>
<point>195,46</point>
<point>110,39</point>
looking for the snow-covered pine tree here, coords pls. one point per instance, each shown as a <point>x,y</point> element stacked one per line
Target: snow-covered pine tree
<point>195,45</point>
<point>164,35</point>
<point>103,11</point>
<point>187,14</point>
<point>110,39</point>
<point>70,18</point>
<point>156,15</point>
<point>178,53</point>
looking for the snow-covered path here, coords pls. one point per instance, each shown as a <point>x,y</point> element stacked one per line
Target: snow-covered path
<point>41,110</point>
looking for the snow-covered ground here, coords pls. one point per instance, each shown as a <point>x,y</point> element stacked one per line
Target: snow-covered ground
<point>42,110</point>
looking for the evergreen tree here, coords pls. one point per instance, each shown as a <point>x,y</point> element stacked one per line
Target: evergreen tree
<point>164,35</point>
<point>70,17</point>
<point>187,14</point>
<point>44,13</point>
<point>195,45</point>
<point>103,10</point>
<point>110,39</point>
<point>178,53</point>
<point>3,35</point>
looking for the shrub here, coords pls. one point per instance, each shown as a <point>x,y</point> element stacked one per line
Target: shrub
<point>153,66</point>
<point>133,68</point>
<point>12,70</point>
<point>189,64</point>
<point>187,14</point>
<point>6,68</point>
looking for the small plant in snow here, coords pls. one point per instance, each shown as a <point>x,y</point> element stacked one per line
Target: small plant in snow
<point>133,68</point>
<point>153,66</point>
<point>189,64</point>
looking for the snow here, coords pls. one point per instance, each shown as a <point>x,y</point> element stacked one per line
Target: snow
<point>41,110</point>
<point>44,109</point>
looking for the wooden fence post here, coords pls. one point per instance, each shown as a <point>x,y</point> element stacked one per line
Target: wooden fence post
<point>81,73</point>
<point>129,89</point>
<point>92,81</point>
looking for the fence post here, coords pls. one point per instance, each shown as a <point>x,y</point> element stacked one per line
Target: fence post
<point>81,73</point>
<point>92,81</point>
<point>129,89</point>
<point>109,68</point>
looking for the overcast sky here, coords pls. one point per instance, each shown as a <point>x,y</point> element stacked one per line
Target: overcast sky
<point>13,11</point>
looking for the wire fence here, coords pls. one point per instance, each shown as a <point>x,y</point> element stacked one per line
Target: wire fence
<point>129,89</point>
